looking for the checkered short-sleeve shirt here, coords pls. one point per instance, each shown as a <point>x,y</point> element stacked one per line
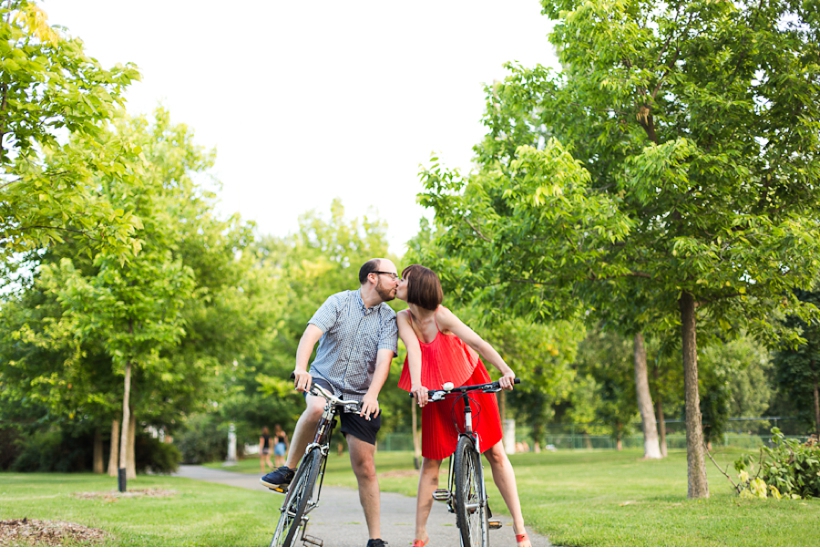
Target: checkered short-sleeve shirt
<point>352,335</point>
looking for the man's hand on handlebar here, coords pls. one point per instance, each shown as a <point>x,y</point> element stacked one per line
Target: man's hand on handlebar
<point>301,380</point>
<point>370,407</point>
<point>420,393</point>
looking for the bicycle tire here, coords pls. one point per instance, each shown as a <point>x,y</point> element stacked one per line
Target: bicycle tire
<point>296,500</point>
<point>470,499</point>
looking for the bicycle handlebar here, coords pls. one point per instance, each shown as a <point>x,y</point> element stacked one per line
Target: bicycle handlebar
<point>320,391</point>
<point>439,394</point>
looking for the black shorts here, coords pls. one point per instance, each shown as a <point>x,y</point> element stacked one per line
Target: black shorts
<point>355,425</point>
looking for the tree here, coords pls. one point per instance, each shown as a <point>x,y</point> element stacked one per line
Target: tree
<point>184,308</point>
<point>49,88</point>
<point>666,175</point>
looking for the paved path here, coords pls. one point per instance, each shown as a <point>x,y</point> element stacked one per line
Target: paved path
<point>339,519</point>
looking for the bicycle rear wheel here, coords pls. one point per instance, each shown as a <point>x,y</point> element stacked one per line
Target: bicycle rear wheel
<point>291,521</point>
<point>470,499</point>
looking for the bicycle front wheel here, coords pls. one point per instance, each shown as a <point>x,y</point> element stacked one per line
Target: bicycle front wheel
<point>471,497</point>
<point>292,514</point>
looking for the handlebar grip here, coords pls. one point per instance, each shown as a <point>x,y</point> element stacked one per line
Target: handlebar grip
<point>517,380</point>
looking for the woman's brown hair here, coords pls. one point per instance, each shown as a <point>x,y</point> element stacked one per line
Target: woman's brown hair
<point>423,286</point>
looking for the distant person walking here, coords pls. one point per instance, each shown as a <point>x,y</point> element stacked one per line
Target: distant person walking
<point>280,447</point>
<point>264,450</point>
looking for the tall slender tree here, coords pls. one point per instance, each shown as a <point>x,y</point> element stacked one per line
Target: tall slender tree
<point>665,175</point>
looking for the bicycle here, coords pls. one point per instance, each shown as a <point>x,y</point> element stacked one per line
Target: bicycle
<point>466,494</point>
<point>300,497</point>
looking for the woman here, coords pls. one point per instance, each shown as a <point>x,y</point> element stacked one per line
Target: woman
<point>441,348</point>
<point>280,447</point>
<point>264,450</point>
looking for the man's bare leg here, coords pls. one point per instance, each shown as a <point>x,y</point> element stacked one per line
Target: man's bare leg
<point>362,459</point>
<point>305,429</point>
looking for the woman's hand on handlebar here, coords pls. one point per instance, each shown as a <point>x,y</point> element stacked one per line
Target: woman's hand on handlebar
<point>507,381</point>
<point>420,393</point>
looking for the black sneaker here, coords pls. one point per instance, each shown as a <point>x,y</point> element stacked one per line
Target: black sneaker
<point>378,542</point>
<point>278,480</point>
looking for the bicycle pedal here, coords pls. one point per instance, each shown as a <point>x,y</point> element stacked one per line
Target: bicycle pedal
<point>441,495</point>
<point>494,524</point>
<point>312,540</point>
<point>280,490</point>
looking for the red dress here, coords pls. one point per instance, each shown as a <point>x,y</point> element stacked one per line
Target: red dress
<point>448,359</point>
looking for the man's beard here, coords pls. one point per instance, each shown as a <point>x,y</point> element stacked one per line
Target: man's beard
<point>385,294</point>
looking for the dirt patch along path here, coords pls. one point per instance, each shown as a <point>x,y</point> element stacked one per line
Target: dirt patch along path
<point>46,533</point>
<point>339,519</point>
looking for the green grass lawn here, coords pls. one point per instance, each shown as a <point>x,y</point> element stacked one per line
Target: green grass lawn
<point>198,514</point>
<point>577,498</point>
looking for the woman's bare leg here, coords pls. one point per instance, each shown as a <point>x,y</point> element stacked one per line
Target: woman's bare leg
<point>504,478</point>
<point>428,482</point>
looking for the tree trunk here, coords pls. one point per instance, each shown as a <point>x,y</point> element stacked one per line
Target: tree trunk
<point>651,449</point>
<point>695,459</point>
<point>115,449</point>
<point>98,452</point>
<point>661,427</point>
<point>126,415</point>
<point>416,436</point>
<point>131,461</point>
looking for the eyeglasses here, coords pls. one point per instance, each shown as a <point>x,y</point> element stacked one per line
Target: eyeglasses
<point>391,274</point>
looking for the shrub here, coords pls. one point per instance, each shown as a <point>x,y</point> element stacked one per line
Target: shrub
<point>202,441</point>
<point>789,468</point>
<point>152,455</point>
<point>53,451</point>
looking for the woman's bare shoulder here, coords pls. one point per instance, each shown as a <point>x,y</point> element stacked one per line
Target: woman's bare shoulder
<point>444,314</point>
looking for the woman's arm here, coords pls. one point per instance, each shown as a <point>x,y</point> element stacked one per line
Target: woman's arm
<point>411,343</point>
<point>447,321</point>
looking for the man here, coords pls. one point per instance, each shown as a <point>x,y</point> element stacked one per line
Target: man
<point>357,337</point>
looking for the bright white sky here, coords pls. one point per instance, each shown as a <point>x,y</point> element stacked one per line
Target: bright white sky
<point>305,101</point>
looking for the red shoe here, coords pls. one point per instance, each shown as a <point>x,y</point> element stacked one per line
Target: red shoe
<point>420,543</point>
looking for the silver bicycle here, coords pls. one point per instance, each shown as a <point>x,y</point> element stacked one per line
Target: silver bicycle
<point>302,495</point>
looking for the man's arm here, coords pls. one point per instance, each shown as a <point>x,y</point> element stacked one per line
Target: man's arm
<point>370,402</point>
<point>301,378</point>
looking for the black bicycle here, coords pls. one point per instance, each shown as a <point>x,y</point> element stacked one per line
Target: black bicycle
<point>302,495</point>
<point>466,494</point>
